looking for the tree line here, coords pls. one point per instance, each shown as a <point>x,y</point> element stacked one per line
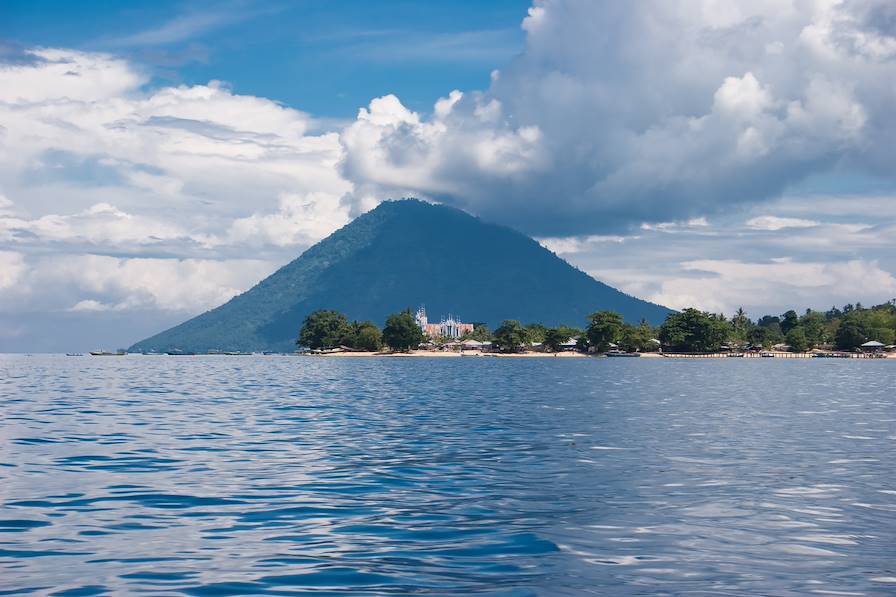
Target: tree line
<point>846,328</point>
<point>327,329</point>
<point>688,330</point>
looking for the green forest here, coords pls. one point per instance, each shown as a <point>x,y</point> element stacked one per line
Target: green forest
<point>689,330</point>
<point>844,328</point>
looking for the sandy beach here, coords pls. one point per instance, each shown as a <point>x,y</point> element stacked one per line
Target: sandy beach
<point>539,355</point>
<point>453,355</point>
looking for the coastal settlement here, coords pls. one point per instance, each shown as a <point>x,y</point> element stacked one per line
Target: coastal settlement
<point>852,331</point>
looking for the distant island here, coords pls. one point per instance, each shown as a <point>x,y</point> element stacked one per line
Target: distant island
<point>518,297</point>
<point>852,328</point>
<point>406,253</point>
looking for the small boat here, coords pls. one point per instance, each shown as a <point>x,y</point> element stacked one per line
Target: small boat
<point>180,353</point>
<point>106,353</point>
<point>237,353</point>
<point>74,354</point>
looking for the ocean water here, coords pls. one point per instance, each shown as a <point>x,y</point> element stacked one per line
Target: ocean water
<point>286,475</point>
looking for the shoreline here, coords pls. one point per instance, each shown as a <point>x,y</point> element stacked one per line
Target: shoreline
<point>440,354</point>
<point>579,355</point>
<point>520,355</point>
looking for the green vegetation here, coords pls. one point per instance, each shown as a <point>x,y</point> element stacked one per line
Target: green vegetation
<point>367,336</point>
<point>796,339</point>
<point>554,337</point>
<point>857,325</point>
<point>327,329</point>
<point>741,326</point>
<point>401,331</point>
<point>605,329</point>
<point>324,329</point>
<point>480,333</point>
<point>405,253</point>
<point>536,332</point>
<point>639,338</point>
<point>694,331</point>
<point>843,329</point>
<point>510,336</point>
<point>815,327</point>
<point>690,331</point>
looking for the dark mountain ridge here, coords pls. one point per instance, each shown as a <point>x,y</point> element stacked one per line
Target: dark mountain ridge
<point>404,254</point>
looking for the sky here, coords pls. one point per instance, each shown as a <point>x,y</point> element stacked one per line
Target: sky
<point>158,158</point>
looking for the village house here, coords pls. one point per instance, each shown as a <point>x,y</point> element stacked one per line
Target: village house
<point>872,346</point>
<point>449,327</point>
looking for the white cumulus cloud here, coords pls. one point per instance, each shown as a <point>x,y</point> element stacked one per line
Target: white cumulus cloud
<point>621,113</point>
<point>118,196</point>
<point>723,285</point>
<point>81,129</point>
<point>96,282</point>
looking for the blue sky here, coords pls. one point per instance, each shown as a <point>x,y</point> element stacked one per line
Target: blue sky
<point>158,158</point>
<point>326,57</point>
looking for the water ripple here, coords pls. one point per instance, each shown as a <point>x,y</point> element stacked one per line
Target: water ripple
<point>283,476</point>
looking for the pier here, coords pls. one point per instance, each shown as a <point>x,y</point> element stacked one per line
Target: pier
<point>773,354</point>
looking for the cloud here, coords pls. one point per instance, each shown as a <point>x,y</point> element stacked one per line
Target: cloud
<point>57,78</point>
<point>777,223</point>
<point>12,53</point>
<point>391,151</point>
<point>671,227</point>
<point>619,114</point>
<point>574,244</point>
<point>186,26</point>
<point>81,283</point>
<point>299,220</point>
<point>6,206</point>
<point>101,225</point>
<point>87,153</point>
<point>89,305</point>
<point>198,144</point>
<point>758,262</point>
<point>120,198</point>
<point>12,267</point>
<point>722,285</point>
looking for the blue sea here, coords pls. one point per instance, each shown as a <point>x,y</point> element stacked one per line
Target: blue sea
<point>382,476</point>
